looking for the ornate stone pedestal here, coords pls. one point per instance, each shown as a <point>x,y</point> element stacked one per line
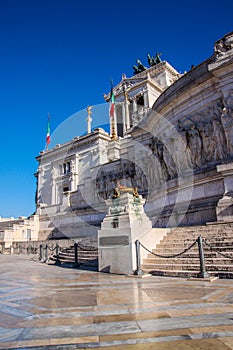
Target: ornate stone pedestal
<point>113,151</point>
<point>125,223</point>
<point>224,209</point>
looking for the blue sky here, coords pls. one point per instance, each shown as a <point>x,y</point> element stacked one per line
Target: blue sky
<point>58,56</point>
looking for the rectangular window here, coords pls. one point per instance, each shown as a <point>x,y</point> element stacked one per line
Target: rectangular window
<point>65,189</point>
<point>66,168</point>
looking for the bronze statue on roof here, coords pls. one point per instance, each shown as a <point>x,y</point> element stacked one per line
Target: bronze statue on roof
<point>139,68</point>
<point>152,61</point>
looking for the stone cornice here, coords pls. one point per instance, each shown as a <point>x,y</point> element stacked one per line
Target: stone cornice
<point>76,143</point>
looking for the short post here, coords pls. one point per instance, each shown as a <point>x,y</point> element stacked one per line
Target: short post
<point>29,250</point>
<point>138,271</point>
<point>3,247</point>
<point>76,264</point>
<point>57,262</point>
<point>203,273</point>
<point>41,254</point>
<point>46,253</point>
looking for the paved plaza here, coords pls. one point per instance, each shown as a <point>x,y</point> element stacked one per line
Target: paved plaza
<point>50,307</point>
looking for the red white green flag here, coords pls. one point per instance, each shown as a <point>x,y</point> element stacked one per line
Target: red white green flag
<point>48,132</point>
<point>112,103</point>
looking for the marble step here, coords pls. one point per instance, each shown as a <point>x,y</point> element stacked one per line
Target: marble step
<point>188,240</point>
<point>88,257</point>
<point>93,261</point>
<point>188,267</point>
<point>182,260</point>
<point>190,255</point>
<point>189,274</point>
<point>80,253</point>
<point>194,250</point>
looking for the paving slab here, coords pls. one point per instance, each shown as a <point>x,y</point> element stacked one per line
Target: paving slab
<point>51,307</point>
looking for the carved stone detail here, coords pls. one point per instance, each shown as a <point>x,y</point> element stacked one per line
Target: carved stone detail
<point>222,46</point>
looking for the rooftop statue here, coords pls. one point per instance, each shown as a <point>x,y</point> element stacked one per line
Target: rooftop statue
<point>152,61</point>
<point>139,68</point>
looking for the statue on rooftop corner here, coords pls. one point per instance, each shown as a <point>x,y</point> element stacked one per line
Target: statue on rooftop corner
<point>139,68</point>
<point>152,61</point>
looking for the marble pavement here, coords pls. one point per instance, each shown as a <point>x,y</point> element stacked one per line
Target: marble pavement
<point>50,307</point>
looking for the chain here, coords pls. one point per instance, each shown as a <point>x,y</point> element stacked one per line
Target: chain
<point>216,251</point>
<point>170,256</point>
<point>51,249</point>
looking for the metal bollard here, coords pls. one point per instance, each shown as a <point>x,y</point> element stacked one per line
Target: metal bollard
<point>3,247</point>
<point>138,271</point>
<point>46,253</point>
<point>41,256</point>
<point>57,262</point>
<point>76,264</point>
<point>203,273</point>
<point>29,250</point>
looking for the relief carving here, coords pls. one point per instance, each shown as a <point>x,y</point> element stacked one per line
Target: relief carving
<point>222,46</point>
<point>207,137</point>
<point>195,144</point>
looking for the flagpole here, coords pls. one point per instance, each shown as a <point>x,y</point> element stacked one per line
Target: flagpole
<point>48,133</point>
<point>112,114</point>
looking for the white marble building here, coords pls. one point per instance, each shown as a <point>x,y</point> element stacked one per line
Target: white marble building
<point>173,141</point>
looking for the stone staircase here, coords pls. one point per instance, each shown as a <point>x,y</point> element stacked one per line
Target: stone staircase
<point>218,236</point>
<point>87,254</point>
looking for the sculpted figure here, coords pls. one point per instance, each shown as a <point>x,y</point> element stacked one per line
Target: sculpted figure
<point>208,142</point>
<point>219,49</point>
<point>223,45</point>
<point>152,61</point>
<point>229,102</point>
<point>159,150</point>
<point>220,152</point>
<point>194,143</point>
<point>227,122</point>
<point>139,180</point>
<point>139,68</point>
<point>161,173</point>
<point>169,162</point>
<point>182,154</point>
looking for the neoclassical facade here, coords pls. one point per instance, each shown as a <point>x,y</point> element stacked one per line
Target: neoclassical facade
<point>174,142</point>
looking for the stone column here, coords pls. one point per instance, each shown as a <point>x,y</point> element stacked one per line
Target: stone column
<point>146,99</point>
<point>135,108</point>
<point>53,186</point>
<point>224,209</point>
<point>123,117</point>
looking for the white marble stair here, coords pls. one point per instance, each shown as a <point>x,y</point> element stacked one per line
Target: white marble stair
<point>217,236</point>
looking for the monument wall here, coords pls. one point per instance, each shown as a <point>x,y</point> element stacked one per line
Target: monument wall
<point>173,153</point>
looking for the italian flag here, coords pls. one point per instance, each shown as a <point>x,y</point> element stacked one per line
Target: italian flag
<point>112,104</point>
<point>48,132</point>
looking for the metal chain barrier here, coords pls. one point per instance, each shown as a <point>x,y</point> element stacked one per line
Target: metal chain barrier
<point>217,251</point>
<point>52,248</point>
<point>170,256</point>
<point>202,274</point>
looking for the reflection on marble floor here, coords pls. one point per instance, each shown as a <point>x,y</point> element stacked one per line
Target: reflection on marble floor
<point>49,307</point>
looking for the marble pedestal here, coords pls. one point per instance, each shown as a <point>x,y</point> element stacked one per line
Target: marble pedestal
<point>125,222</point>
<point>224,209</point>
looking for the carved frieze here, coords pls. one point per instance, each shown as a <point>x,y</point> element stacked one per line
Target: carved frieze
<point>222,46</point>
